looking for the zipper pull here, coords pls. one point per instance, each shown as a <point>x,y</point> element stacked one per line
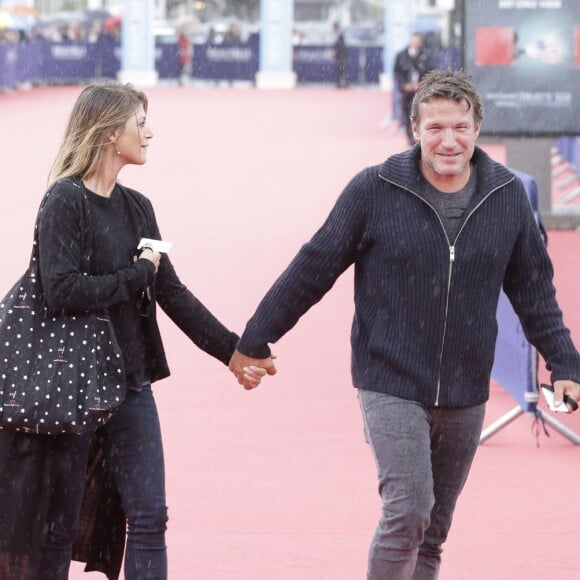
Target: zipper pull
<point>452,253</point>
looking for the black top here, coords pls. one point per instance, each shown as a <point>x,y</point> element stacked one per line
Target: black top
<point>114,242</point>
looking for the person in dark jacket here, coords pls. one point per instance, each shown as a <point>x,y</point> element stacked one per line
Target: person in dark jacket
<point>434,234</point>
<point>340,56</point>
<point>42,478</point>
<point>411,65</point>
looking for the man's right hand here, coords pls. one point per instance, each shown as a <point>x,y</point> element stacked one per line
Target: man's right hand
<point>240,365</point>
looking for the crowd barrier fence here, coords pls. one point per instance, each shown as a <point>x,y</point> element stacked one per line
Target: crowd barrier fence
<point>44,62</point>
<point>515,366</point>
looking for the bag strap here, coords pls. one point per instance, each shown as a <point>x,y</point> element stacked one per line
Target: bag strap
<point>34,264</point>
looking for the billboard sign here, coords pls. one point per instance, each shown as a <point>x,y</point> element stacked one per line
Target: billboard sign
<point>524,57</point>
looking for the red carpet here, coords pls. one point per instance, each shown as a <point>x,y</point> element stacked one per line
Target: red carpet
<point>278,483</point>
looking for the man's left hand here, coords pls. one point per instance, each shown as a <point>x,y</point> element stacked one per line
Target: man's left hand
<point>570,388</point>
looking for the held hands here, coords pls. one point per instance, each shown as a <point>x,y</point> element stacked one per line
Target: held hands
<point>249,371</point>
<point>570,388</point>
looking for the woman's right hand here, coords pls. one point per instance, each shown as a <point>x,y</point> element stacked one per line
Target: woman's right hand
<point>153,257</point>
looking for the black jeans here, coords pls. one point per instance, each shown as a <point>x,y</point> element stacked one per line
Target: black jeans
<point>134,452</point>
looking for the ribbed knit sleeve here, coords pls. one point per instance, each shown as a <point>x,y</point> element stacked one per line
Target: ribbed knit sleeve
<point>191,316</point>
<point>314,270</point>
<point>529,285</point>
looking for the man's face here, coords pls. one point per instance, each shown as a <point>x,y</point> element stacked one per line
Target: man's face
<point>447,131</point>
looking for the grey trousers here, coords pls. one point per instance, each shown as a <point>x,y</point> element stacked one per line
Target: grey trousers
<point>423,457</point>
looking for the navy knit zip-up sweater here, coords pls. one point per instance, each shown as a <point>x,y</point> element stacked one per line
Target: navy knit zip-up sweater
<point>425,325</point>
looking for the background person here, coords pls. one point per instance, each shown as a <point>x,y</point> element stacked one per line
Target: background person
<point>434,234</point>
<point>340,56</point>
<point>42,478</point>
<point>411,65</point>
<point>185,54</point>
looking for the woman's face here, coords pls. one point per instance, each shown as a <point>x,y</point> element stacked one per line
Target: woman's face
<point>133,139</point>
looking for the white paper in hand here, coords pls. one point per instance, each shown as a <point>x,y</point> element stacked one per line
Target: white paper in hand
<point>156,245</point>
<point>549,396</point>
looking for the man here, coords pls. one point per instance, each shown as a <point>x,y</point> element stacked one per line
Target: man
<point>434,234</point>
<point>340,54</point>
<point>411,64</point>
<point>184,44</point>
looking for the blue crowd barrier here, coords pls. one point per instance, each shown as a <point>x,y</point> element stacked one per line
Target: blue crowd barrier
<point>108,61</point>
<point>515,364</point>
<point>9,65</point>
<point>67,61</point>
<point>316,64</point>
<point>30,66</point>
<point>64,62</point>
<point>449,58</point>
<point>167,61</point>
<point>373,64</point>
<point>227,61</point>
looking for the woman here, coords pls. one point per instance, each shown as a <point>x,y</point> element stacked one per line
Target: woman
<point>44,477</point>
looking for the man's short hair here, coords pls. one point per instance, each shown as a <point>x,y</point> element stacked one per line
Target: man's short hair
<point>448,84</point>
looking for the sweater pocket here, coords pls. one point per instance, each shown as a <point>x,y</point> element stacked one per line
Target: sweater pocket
<point>378,334</point>
<point>404,348</point>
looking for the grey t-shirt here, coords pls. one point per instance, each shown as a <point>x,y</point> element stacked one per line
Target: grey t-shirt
<point>450,207</point>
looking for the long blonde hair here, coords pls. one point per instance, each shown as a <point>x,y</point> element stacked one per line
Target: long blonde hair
<point>99,111</point>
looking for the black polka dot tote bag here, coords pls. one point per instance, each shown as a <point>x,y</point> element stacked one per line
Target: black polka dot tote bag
<point>59,373</point>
